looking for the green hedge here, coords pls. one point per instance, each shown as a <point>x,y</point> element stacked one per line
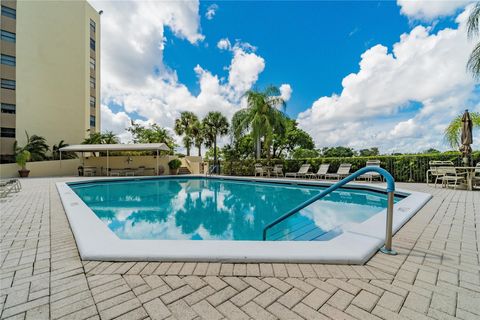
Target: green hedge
<point>404,168</point>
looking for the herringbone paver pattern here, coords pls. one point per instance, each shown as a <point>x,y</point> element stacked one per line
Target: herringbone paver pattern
<point>435,276</point>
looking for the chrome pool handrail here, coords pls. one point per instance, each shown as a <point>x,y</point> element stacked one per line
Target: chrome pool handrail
<point>390,192</point>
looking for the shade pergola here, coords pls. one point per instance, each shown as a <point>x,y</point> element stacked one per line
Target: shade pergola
<point>116,147</point>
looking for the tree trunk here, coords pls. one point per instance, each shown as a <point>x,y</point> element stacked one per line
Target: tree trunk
<point>188,151</point>
<point>259,148</point>
<point>215,154</point>
<point>199,150</point>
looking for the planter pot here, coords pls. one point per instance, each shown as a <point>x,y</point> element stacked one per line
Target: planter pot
<point>173,171</point>
<point>23,173</point>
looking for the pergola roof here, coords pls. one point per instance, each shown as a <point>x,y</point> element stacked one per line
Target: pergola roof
<point>116,147</point>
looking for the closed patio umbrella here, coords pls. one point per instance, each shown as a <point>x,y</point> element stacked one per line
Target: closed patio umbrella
<point>467,137</point>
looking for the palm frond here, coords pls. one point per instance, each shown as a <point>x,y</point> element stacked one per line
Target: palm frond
<point>473,22</point>
<point>473,64</point>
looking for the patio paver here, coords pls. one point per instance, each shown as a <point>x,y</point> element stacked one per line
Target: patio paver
<point>436,274</point>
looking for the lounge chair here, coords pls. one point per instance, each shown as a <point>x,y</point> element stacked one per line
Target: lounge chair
<point>369,176</point>
<point>322,171</point>
<point>342,172</point>
<point>278,170</point>
<point>451,175</point>
<point>259,170</point>
<point>9,185</point>
<point>301,172</point>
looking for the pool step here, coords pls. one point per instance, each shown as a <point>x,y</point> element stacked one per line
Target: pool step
<point>301,231</point>
<point>183,170</point>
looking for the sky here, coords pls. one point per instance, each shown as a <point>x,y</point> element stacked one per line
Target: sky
<point>387,74</point>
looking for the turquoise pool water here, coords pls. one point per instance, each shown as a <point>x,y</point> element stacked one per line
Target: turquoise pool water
<point>217,209</point>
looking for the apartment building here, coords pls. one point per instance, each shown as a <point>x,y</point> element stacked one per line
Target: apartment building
<point>50,72</point>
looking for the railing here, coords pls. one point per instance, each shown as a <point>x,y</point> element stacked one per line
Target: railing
<point>390,192</point>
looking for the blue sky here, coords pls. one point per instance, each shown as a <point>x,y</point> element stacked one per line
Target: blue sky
<point>313,47</point>
<point>303,43</point>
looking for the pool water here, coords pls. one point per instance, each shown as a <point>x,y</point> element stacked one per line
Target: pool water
<point>220,209</point>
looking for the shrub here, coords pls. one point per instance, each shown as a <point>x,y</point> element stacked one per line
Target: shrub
<point>404,168</point>
<point>22,157</point>
<point>174,164</point>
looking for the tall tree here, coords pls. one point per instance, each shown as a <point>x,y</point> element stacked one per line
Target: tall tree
<point>454,129</point>
<point>65,155</point>
<point>37,147</point>
<point>153,134</point>
<point>107,137</point>
<point>261,118</point>
<point>183,126</point>
<point>214,124</point>
<point>198,136</point>
<point>291,139</point>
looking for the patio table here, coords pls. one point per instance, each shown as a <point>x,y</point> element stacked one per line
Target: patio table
<point>470,174</point>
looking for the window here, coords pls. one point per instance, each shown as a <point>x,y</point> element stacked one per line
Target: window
<point>9,12</point>
<point>92,82</point>
<point>92,121</point>
<point>8,36</point>
<point>92,26</point>
<point>8,108</point>
<point>92,44</point>
<point>92,63</point>
<point>8,84</point>
<point>92,102</point>
<point>7,132</point>
<point>8,60</point>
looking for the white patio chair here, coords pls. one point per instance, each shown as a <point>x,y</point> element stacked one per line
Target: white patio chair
<point>476,176</point>
<point>301,172</point>
<point>259,170</point>
<point>342,172</point>
<point>278,170</point>
<point>451,175</point>
<point>322,171</point>
<point>370,176</point>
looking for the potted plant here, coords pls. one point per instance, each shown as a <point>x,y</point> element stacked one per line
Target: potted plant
<point>174,165</point>
<point>21,159</point>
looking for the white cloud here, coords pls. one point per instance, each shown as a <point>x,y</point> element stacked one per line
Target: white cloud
<point>286,91</point>
<point>135,77</point>
<point>115,122</point>
<point>423,67</point>
<point>430,9</point>
<point>245,67</point>
<point>211,11</point>
<point>224,44</point>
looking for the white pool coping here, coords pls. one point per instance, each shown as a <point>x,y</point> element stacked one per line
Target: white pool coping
<point>95,241</point>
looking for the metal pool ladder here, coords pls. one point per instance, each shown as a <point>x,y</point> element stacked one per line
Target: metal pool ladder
<point>387,248</point>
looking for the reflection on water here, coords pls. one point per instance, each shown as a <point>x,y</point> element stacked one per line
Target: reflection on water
<point>201,209</point>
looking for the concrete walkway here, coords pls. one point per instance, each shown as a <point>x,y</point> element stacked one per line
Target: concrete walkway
<point>436,274</point>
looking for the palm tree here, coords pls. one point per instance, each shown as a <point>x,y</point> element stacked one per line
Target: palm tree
<point>473,30</point>
<point>454,129</point>
<point>183,126</point>
<point>214,124</point>
<point>36,145</point>
<point>107,137</point>
<point>66,155</point>
<point>198,136</point>
<point>261,118</point>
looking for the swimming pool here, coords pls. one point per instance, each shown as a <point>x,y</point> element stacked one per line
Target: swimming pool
<point>220,218</point>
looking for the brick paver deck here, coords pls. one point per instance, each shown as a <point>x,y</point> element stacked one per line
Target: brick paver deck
<point>435,275</point>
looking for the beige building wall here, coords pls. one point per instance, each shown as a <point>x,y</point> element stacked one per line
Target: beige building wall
<point>53,70</point>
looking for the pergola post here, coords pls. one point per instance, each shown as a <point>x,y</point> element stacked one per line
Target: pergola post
<point>156,168</point>
<point>107,165</point>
